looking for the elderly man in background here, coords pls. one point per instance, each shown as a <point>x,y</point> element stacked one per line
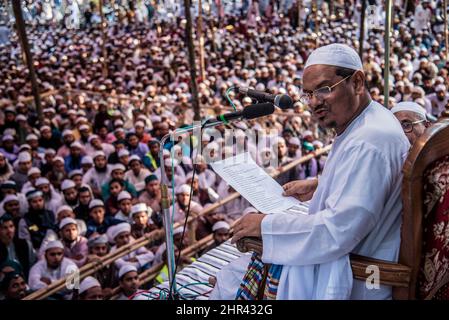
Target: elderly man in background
<point>412,118</point>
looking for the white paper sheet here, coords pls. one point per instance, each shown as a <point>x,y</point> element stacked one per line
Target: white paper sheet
<point>263,192</point>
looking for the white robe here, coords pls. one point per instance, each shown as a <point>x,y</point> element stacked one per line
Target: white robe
<point>356,208</point>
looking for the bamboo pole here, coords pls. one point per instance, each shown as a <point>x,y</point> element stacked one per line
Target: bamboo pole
<point>103,40</point>
<point>96,265</point>
<point>191,51</point>
<point>387,53</point>
<point>20,25</point>
<point>201,41</point>
<point>362,29</point>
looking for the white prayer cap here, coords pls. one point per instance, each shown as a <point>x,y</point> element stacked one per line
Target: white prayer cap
<point>409,106</point>
<point>63,208</point>
<point>10,197</point>
<point>7,137</point>
<point>75,172</point>
<point>168,162</point>
<point>183,189</point>
<point>76,144</point>
<point>134,157</point>
<point>98,154</point>
<point>294,141</point>
<point>43,128</point>
<point>123,152</point>
<point>58,159</point>
<point>117,229</point>
<point>307,133</point>
<point>118,166</point>
<point>124,195</point>
<point>95,203</point>
<point>21,117</point>
<point>440,87</point>
<point>125,269</point>
<point>24,157</point>
<point>92,137</point>
<point>139,124</point>
<point>250,210</point>
<point>97,239</point>
<point>88,283</point>
<point>41,181</point>
<point>190,176</point>
<point>221,225</point>
<point>336,54</point>
<point>318,144</point>
<point>50,151</point>
<point>31,136</point>
<point>67,132</point>
<point>67,221</point>
<point>24,146</point>
<point>33,171</point>
<point>140,207</point>
<point>67,184</point>
<point>87,160</point>
<point>84,127</point>
<point>54,244</point>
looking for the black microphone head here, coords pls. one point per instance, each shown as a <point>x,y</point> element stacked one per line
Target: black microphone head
<point>283,101</point>
<point>258,110</point>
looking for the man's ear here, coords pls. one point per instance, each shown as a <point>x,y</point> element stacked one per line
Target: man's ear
<point>359,82</point>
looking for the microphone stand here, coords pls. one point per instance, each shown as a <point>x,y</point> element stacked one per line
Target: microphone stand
<point>165,201</point>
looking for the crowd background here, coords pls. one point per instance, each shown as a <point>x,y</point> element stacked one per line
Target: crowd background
<point>85,180</point>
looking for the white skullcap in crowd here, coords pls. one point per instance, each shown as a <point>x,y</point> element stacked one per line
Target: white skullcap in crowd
<point>178,230</point>
<point>24,157</point>
<point>336,54</point>
<point>409,106</point>
<point>63,208</point>
<point>67,221</point>
<point>123,152</point>
<point>124,195</point>
<point>250,210</point>
<point>41,181</point>
<point>183,189</point>
<point>134,157</point>
<point>54,244</point>
<point>125,269</point>
<point>33,171</point>
<point>117,229</point>
<point>75,172</point>
<point>140,207</point>
<point>96,203</point>
<point>221,225</point>
<point>294,141</point>
<point>87,160</point>
<point>10,197</point>
<point>88,283</point>
<point>67,184</point>
<point>98,154</point>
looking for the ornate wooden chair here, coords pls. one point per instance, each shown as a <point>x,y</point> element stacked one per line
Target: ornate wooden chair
<point>422,271</point>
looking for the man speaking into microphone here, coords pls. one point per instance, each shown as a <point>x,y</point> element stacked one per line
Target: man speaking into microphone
<point>356,204</point>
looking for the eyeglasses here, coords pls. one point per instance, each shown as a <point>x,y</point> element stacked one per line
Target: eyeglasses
<point>407,126</point>
<point>320,93</point>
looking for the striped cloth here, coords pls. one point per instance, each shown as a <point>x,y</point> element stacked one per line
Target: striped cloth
<point>192,281</point>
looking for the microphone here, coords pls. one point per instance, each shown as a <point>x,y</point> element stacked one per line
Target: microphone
<point>282,101</point>
<point>250,112</point>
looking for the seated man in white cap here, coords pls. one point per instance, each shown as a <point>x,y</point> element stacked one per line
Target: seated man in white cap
<point>179,176</point>
<point>141,223</point>
<point>75,246</point>
<point>182,203</point>
<point>98,221</point>
<point>120,235</point>
<point>53,267</point>
<point>52,198</point>
<point>33,174</point>
<point>69,193</point>
<point>137,173</point>
<point>129,282</point>
<point>221,233</point>
<point>438,100</point>
<point>90,289</point>
<point>125,203</point>
<point>20,176</point>
<point>37,222</point>
<point>353,208</point>
<point>98,175</point>
<point>294,148</point>
<point>118,172</point>
<point>412,118</point>
<point>99,247</point>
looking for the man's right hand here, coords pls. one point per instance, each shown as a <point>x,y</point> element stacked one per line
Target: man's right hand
<point>301,189</point>
<point>46,280</point>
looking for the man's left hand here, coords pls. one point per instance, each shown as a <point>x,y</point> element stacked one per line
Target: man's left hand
<point>248,226</point>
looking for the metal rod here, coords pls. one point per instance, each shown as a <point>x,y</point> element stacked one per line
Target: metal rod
<point>201,41</point>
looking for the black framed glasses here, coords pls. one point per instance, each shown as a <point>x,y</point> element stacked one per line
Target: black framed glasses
<point>407,126</point>
<point>320,93</point>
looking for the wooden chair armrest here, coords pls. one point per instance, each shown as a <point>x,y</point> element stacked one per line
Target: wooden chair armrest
<point>390,273</point>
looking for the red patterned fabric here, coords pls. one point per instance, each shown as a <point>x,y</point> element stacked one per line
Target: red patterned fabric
<point>433,278</point>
